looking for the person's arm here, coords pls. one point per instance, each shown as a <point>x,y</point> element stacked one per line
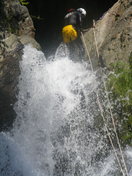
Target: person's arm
<point>79,22</point>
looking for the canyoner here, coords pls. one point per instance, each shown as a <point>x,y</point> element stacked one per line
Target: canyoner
<point>73,24</point>
<point>71,32</point>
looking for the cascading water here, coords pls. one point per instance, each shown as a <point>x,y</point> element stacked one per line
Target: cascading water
<point>55,133</point>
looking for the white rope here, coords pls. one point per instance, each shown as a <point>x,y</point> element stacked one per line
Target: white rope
<point>101,109</point>
<point>86,49</point>
<point>118,141</point>
<point>109,136</point>
<point>113,122</point>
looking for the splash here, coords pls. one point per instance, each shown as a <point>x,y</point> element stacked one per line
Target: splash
<point>54,133</point>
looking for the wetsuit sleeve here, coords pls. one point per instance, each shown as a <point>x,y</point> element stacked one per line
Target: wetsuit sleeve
<point>79,21</point>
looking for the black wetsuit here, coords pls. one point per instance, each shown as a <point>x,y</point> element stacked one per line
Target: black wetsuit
<point>74,18</point>
<point>76,48</point>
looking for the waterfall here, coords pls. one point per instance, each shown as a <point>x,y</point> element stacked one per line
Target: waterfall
<point>55,131</point>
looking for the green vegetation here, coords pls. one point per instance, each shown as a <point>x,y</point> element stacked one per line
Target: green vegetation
<point>120,86</point>
<point>24,2</point>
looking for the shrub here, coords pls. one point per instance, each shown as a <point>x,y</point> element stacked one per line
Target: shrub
<point>119,85</point>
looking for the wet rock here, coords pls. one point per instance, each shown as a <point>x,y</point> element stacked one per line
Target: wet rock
<point>16,30</point>
<point>113,35</point>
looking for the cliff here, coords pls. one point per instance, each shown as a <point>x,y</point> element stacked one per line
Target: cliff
<point>16,29</point>
<point>113,35</point>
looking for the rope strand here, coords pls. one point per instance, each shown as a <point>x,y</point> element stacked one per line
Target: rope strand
<point>109,136</point>
<point>113,122</point>
<point>101,109</point>
<point>84,43</point>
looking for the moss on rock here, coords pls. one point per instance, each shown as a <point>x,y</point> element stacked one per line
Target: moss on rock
<point>120,87</point>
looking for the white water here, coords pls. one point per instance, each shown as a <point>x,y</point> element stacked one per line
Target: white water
<point>54,133</point>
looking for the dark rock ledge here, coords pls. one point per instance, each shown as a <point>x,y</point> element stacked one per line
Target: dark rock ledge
<point>16,29</point>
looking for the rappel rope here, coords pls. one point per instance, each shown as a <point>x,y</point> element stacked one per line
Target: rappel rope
<point>101,109</point>
<point>112,117</point>
<point>109,136</point>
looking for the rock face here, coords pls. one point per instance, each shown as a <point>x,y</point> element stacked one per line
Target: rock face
<point>16,29</point>
<point>113,35</point>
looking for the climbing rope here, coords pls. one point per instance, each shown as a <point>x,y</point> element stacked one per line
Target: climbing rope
<point>101,109</point>
<point>109,136</point>
<point>86,49</point>
<point>108,100</point>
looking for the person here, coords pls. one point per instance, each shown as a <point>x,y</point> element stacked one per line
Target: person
<point>73,24</point>
<point>71,32</point>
